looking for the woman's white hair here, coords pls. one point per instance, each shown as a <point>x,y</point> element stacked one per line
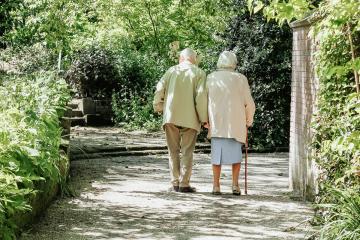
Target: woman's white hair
<point>227,59</point>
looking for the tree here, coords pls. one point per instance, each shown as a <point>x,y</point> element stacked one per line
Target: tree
<point>153,25</point>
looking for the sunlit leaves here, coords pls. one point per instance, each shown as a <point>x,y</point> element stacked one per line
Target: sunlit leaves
<point>53,22</point>
<point>281,10</point>
<point>258,6</point>
<point>336,141</point>
<point>154,25</point>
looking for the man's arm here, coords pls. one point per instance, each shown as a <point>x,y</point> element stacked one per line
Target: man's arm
<point>201,99</point>
<point>158,103</point>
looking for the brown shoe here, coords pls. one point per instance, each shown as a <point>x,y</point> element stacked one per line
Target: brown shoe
<point>187,189</point>
<point>174,188</point>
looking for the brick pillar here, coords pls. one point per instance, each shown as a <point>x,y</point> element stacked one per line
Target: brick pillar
<point>302,170</point>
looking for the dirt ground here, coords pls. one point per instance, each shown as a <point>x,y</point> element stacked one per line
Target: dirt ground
<point>127,197</point>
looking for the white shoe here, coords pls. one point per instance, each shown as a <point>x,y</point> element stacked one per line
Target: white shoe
<point>216,190</point>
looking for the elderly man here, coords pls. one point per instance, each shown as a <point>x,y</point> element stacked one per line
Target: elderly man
<point>181,97</point>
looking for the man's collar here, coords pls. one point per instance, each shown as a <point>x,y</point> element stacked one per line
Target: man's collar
<point>186,62</point>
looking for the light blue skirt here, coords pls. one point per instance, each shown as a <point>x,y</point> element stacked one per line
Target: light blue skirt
<point>225,151</point>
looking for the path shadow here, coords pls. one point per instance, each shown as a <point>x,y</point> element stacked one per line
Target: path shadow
<point>127,198</point>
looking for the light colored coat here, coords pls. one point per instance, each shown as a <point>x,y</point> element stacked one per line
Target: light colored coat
<point>231,107</point>
<point>181,96</point>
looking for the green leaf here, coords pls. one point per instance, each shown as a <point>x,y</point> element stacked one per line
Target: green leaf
<point>250,4</point>
<point>32,151</point>
<point>258,6</point>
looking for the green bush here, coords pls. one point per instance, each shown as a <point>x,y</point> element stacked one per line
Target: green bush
<point>93,73</point>
<point>29,59</point>
<point>134,113</point>
<point>30,137</point>
<point>132,102</point>
<point>336,123</point>
<point>336,146</point>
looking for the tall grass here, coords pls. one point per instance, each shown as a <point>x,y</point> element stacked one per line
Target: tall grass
<point>342,218</point>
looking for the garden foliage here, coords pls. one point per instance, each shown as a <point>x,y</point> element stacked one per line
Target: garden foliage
<point>336,124</point>
<point>93,73</point>
<point>30,108</point>
<point>132,102</point>
<point>118,50</point>
<point>125,47</point>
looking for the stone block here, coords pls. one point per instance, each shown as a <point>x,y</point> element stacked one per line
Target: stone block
<point>73,105</point>
<point>67,112</point>
<point>76,113</point>
<point>97,120</point>
<point>103,107</point>
<point>78,121</point>
<point>65,123</point>
<point>87,106</point>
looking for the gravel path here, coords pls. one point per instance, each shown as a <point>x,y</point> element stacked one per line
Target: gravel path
<point>127,198</point>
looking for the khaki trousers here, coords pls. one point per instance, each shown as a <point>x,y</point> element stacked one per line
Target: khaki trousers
<point>180,140</point>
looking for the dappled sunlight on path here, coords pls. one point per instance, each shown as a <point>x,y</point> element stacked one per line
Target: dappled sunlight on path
<point>127,197</point>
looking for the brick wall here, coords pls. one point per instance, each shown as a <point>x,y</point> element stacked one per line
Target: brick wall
<point>302,170</point>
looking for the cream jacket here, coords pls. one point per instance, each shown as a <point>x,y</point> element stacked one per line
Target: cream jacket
<point>231,107</point>
<point>181,96</point>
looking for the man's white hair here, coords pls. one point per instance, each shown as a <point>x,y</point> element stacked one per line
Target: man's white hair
<point>188,54</point>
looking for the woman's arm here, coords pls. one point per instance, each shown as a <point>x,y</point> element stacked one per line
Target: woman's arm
<point>249,105</point>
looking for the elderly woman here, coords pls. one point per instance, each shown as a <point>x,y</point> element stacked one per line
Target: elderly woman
<point>231,110</point>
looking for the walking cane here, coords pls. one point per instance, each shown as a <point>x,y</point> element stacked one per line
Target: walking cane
<point>246,159</point>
